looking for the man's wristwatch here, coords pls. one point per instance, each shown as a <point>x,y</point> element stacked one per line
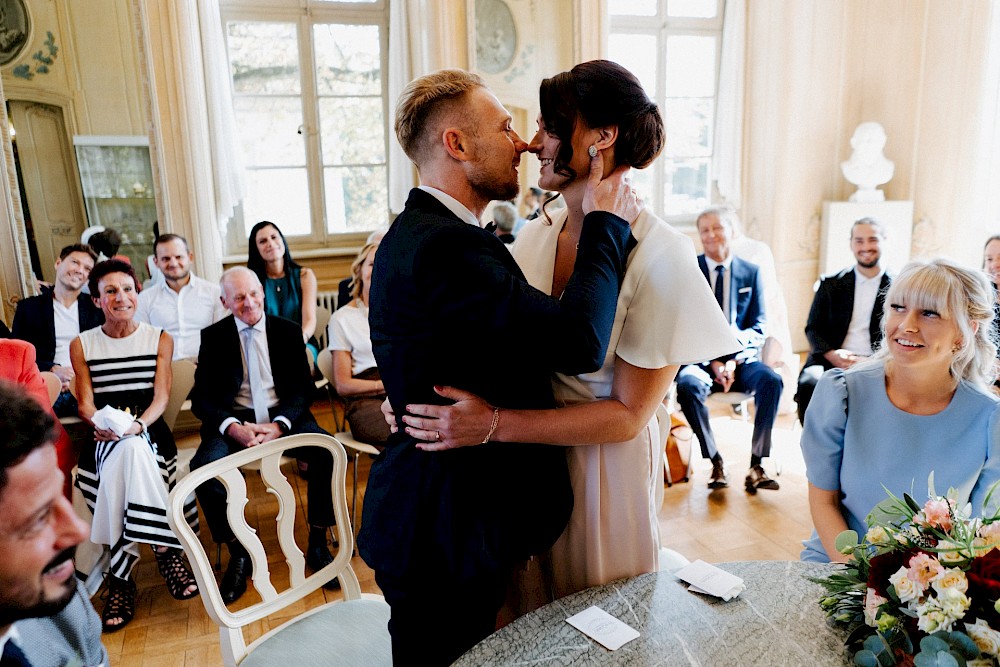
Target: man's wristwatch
<point>283,426</point>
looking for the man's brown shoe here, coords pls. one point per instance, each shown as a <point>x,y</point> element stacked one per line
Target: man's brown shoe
<point>758,479</point>
<point>718,480</point>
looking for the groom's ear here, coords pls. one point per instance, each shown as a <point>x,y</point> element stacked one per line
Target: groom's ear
<point>456,143</point>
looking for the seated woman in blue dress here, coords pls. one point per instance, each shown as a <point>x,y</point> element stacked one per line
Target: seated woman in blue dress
<point>289,289</point>
<point>921,404</point>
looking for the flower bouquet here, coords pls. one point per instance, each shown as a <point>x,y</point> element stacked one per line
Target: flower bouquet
<point>923,587</point>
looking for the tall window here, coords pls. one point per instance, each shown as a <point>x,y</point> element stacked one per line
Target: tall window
<point>309,94</point>
<point>673,47</point>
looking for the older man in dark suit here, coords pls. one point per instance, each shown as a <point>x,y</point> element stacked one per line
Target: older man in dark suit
<point>442,530</point>
<point>845,320</point>
<point>739,291</point>
<point>252,386</point>
<point>51,320</point>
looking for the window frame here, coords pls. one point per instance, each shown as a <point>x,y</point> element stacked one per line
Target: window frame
<point>304,16</point>
<point>661,27</point>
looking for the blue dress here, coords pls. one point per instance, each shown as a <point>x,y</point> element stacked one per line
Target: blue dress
<point>856,441</point>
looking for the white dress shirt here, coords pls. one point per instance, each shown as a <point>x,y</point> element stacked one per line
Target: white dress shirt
<point>182,314</point>
<point>455,206</point>
<point>244,398</point>
<point>713,275</point>
<point>858,339</point>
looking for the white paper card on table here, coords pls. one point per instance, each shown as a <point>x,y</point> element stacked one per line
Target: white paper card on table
<point>603,628</point>
<point>709,579</point>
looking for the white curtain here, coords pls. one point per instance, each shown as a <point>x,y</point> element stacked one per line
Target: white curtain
<point>987,196</point>
<point>401,172</point>
<point>727,154</point>
<point>227,162</point>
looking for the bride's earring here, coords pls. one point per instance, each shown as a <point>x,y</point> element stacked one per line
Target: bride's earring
<point>592,151</point>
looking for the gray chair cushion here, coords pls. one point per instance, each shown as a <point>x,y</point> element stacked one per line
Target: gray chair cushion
<point>347,633</point>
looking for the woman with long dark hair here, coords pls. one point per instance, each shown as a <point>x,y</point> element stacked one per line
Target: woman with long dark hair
<point>289,288</point>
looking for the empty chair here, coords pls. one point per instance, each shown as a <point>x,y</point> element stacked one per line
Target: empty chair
<point>352,631</point>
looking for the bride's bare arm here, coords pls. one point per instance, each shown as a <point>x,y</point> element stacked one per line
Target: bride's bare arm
<point>635,393</point>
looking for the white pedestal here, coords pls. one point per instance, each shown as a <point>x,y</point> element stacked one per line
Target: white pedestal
<point>835,236</point>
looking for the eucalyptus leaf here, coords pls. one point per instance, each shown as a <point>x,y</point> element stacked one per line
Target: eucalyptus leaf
<point>865,658</point>
<point>846,540</point>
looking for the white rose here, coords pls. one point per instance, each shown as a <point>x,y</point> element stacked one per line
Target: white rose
<point>951,578</point>
<point>877,535</point>
<point>930,619</point>
<point>986,638</point>
<point>952,553</point>
<point>907,589</point>
<point>953,603</point>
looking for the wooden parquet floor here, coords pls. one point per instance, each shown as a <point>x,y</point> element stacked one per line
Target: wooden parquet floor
<point>716,526</point>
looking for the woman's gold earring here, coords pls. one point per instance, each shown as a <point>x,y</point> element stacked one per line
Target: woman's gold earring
<point>592,151</point>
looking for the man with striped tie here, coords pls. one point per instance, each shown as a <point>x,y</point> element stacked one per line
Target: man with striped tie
<point>45,615</point>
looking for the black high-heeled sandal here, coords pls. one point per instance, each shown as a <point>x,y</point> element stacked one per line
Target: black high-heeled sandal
<point>120,604</point>
<point>176,573</point>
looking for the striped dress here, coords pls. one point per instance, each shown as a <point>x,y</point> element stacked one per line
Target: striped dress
<point>125,482</point>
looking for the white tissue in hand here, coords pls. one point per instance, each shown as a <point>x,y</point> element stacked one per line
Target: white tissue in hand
<point>113,419</point>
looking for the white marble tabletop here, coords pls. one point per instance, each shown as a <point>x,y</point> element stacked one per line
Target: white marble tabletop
<point>776,621</point>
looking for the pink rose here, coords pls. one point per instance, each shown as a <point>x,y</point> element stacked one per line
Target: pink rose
<point>923,569</point>
<point>936,514</point>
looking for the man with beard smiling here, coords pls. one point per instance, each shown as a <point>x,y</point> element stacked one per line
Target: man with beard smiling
<point>442,530</point>
<point>45,615</point>
<point>844,324</point>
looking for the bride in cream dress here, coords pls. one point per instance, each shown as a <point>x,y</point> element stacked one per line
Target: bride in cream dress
<point>666,316</point>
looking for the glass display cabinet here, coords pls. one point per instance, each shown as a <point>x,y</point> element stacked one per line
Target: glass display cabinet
<point>117,181</point>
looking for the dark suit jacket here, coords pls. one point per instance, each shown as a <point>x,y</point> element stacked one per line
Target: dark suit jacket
<point>34,321</point>
<point>443,292</point>
<point>746,307</point>
<point>830,315</point>
<point>220,372</point>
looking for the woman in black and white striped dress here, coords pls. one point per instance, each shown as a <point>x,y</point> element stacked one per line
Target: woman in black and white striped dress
<point>126,364</point>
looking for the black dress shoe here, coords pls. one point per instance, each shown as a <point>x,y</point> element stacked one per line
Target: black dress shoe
<point>234,581</point>
<point>318,557</point>
<point>718,479</point>
<point>758,479</point>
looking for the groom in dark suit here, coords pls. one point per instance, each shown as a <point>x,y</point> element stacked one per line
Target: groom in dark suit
<point>845,320</point>
<point>442,530</point>
<point>740,293</point>
<point>238,410</point>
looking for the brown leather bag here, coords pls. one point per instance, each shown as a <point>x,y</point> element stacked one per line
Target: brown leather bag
<point>678,451</point>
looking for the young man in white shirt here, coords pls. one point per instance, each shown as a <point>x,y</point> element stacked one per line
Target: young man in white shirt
<point>183,304</point>
<point>844,324</point>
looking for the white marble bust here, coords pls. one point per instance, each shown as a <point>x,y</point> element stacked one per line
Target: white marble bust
<point>867,166</point>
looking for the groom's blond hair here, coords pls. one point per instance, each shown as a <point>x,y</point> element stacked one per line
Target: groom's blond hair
<point>426,103</point>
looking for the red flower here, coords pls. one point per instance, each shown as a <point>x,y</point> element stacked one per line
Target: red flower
<point>883,566</point>
<point>984,585</point>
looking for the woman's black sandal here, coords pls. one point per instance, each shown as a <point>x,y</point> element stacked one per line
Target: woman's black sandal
<point>175,572</point>
<point>120,604</point>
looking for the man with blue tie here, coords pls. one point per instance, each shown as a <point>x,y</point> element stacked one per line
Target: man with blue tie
<point>739,291</point>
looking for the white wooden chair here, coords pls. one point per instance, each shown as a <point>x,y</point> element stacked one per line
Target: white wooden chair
<point>352,631</point>
<point>325,363</point>
<point>182,372</point>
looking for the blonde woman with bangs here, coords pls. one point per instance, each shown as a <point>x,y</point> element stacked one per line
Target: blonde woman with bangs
<point>922,403</point>
<point>355,374</point>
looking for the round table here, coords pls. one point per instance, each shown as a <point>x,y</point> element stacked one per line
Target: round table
<point>776,621</point>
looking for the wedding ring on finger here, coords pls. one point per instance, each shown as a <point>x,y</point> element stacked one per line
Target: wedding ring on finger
<point>437,436</point>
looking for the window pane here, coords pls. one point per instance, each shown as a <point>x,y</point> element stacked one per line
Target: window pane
<point>642,181</point>
<point>347,59</point>
<point>701,9</point>
<point>636,53</point>
<point>269,129</point>
<point>686,186</point>
<point>690,66</point>
<point>632,7</point>
<point>263,57</point>
<point>280,195</point>
<point>689,127</point>
<point>356,198</point>
<point>351,130</point>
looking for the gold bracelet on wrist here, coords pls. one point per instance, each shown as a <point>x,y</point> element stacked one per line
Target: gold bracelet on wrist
<point>493,426</point>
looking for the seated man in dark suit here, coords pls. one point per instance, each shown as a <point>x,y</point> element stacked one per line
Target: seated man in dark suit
<point>45,613</point>
<point>844,324</point>
<point>739,290</point>
<point>51,320</point>
<point>443,530</point>
<point>252,386</point>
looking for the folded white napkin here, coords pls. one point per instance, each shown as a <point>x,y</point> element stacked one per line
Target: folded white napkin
<point>113,419</point>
